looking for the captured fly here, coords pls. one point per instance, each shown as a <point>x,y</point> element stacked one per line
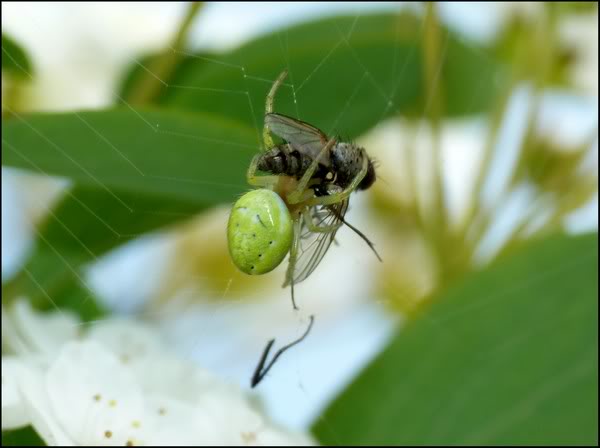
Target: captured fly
<point>343,165</point>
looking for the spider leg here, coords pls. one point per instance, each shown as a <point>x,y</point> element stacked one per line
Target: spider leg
<point>259,181</point>
<point>317,228</point>
<point>338,197</point>
<point>265,181</point>
<point>306,194</point>
<point>267,139</point>
<point>289,275</point>
<point>296,196</point>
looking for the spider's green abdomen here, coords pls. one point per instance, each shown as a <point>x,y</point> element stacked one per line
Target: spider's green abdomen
<point>259,232</point>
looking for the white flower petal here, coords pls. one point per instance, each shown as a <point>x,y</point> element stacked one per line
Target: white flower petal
<point>276,437</point>
<point>94,397</point>
<point>40,413</point>
<point>14,411</point>
<point>36,332</point>
<point>171,423</point>
<point>119,385</point>
<point>130,341</point>
<point>10,336</point>
<point>241,422</point>
<point>230,409</point>
<point>172,376</point>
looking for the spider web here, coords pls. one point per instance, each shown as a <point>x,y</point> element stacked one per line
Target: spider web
<point>355,332</point>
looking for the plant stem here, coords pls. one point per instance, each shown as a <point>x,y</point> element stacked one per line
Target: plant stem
<point>541,44</point>
<point>160,70</point>
<point>434,49</point>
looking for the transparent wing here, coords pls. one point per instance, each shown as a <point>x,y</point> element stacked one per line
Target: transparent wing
<point>302,136</point>
<point>314,245</point>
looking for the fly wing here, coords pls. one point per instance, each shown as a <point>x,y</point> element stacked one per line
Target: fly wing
<point>302,136</point>
<point>314,245</point>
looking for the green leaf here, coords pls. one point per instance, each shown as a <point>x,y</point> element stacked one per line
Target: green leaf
<point>131,179</point>
<point>138,71</point>
<point>14,59</point>
<point>508,357</point>
<point>85,224</point>
<point>198,159</point>
<point>347,74</point>
<point>22,437</point>
<point>568,8</point>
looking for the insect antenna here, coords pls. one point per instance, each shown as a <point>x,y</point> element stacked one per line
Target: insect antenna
<point>383,180</point>
<point>359,233</point>
<point>261,369</point>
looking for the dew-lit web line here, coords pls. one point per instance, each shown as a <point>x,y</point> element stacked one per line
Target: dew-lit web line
<point>229,304</point>
<point>154,129</point>
<point>322,418</point>
<point>245,93</point>
<point>545,389</point>
<point>428,363</point>
<point>109,143</point>
<point>48,209</point>
<point>212,60</point>
<point>477,88</point>
<point>430,96</point>
<point>14,61</point>
<point>76,273</point>
<point>397,78</point>
<point>523,408</point>
<point>140,172</point>
<point>66,155</point>
<point>285,54</point>
<point>344,39</point>
<point>164,83</point>
<point>347,104</point>
<point>118,234</point>
<point>364,74</point>
<point>69,193</point>
<point>309,76</point>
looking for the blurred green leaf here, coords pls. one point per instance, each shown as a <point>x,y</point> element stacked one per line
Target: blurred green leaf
<point>22,437</point>
<point>134,173</point>
<point>347,74</point>
<point>138,71</point>
<point>524,43</point>
<point>194,158</point>
<point>574,7</point>
<point>510,356</point>
<point>53,282</point>
<point>186,63</point>
<point>85,224</point>
<point>14,59</point>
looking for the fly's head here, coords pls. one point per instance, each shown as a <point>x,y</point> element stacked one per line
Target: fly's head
<point>370,177</point>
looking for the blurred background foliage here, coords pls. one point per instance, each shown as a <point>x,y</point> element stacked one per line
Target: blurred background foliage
<point>181,133</point>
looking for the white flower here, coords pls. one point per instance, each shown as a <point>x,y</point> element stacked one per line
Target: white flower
<point>14,414</point>
<point>117,384</point>
<point>26,332</point>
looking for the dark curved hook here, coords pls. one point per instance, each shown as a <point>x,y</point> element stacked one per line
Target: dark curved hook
<point>261,369</point>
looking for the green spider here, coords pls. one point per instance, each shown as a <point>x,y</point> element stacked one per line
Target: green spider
<point>301,203</point>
